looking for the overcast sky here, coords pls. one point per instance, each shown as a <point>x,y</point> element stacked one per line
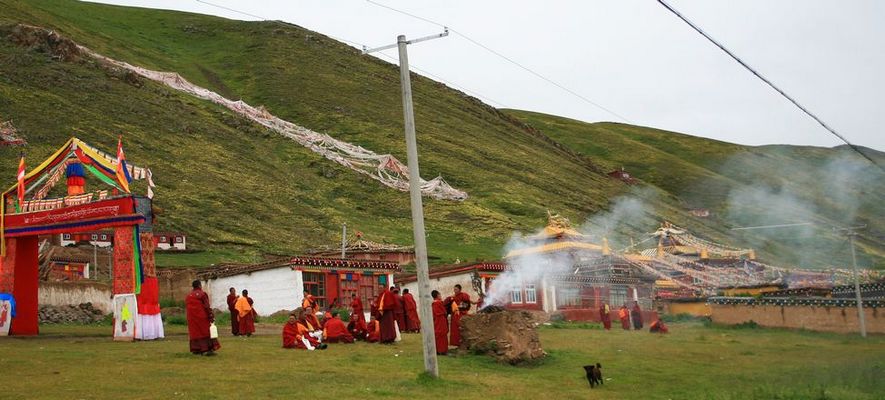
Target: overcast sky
<point>634,58</point>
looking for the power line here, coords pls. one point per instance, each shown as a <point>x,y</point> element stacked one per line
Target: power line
<point>454,85</point>
<point>360,45</point>
<point>508,59</point>
<point>286,24</point>
<point>768,82</point>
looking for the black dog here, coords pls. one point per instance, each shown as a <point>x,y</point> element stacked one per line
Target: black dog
<point>594,374</point>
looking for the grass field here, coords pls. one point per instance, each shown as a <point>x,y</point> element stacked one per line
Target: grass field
<point>693,362</point>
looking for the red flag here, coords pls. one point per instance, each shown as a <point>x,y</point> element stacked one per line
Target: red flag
<point>21,181</point>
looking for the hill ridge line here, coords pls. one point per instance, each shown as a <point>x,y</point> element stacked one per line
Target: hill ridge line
<point>384,168</point>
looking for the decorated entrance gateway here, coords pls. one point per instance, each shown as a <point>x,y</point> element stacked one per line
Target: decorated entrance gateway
<point>28,209</point>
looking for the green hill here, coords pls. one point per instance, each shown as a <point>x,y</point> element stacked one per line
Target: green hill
<point>240,190</point>
<point>747,186</point>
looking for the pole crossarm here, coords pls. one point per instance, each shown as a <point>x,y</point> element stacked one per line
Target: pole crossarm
<point>445,33</point>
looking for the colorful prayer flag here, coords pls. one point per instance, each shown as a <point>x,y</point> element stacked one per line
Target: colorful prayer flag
<point>122,172</point>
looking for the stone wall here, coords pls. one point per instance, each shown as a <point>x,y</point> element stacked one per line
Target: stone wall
<point>175,283</point>
<point>75,293</point>
<point>817,318</point>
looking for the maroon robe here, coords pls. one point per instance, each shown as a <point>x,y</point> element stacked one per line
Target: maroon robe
<point>247,322</point>
<point>605,318</point>
<point>358,317</point>
<point>637,317</point>
<point>334,331</point>
<point>234,315</point>
<point>386,305</point>
<point>399,312</point>
<point>440,327</point>
<point>292,336</point>
<point>413,323</point>
<point>199,317</point>
<point>357,329</point>
<point>457,313</point>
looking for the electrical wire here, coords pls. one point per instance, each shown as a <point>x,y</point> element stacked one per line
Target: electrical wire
<point>508,59</point>
<point>768,82</point>
<point>361,45</point>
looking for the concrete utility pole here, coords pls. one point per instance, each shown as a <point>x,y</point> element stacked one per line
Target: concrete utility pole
<point>343,238</point>
<point>857,296</point>
<point>851,232</point>
<point>424,309</point>
<point>95,261</point>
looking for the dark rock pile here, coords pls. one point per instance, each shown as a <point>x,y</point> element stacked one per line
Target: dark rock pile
<point>79,314</point>
<point>509,336</point>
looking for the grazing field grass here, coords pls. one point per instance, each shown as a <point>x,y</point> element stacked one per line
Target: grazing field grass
<point>693,362</point>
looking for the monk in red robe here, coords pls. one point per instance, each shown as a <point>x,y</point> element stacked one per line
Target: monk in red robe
<point>386,306</point>
<point>413,323</point>
<point>357,329</point>
<point>624,316</point>
<point>199,317</point>
<point>399,310</point>
<point>312,319</point>
<point>245,314</point>
<point>373,334</point>
<point>605,316</point>
<point>460,307</point>
<point>440,324</point>
<point>334,331</point>
<point>658,327</point>
<point>357,315</point>
<point>231,306</point>
<point>637,317</point>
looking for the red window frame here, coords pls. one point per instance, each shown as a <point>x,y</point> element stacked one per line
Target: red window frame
<point>315,284</point>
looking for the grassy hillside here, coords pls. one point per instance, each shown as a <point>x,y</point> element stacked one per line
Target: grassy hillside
<point>229,183</point>
<point>747,186</point>
<point>241,191</point>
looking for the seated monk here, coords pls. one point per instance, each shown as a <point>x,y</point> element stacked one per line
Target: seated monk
<point>658,327</point>
<point>307,320</point>
<point>311,318</point>
<point>334,330</point>
<point>295,336</point>
<point>357,327</point>
<point>373,330</point>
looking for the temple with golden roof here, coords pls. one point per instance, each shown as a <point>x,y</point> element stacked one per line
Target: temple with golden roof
<point>594,276</point>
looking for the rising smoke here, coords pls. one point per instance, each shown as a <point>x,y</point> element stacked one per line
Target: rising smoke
<point>629,216</point>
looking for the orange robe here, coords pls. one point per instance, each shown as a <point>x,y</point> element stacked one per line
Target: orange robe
<point>246,315</point>
<point>309,301</point>
<point>334,331</point>
<point>457,313</point>
<point>314,322</point>
<point>413,323</point>
<point>624,316</point>
<point>440,327</point>
<point>374,332</point>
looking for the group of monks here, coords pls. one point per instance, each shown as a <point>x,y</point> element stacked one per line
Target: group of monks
<point>242,315</point>
<point>390,314</point>
<point>628,315</point>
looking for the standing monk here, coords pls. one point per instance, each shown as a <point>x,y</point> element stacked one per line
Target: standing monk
<point>358,316</point>
<point>413,323</point>
<point>245,314</point>
<point>199,317</point>
<point>399,310</point>
<point>386,304</point>
<point>605,316</point>
<point>460,307</point>
<point>624,316</point>
<point>440,324</point>
<point>231,306</point>
<point>637,317</point>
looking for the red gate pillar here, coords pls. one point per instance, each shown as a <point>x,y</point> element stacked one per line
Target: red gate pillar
<point>20,266</point>
<point>124,269</point>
